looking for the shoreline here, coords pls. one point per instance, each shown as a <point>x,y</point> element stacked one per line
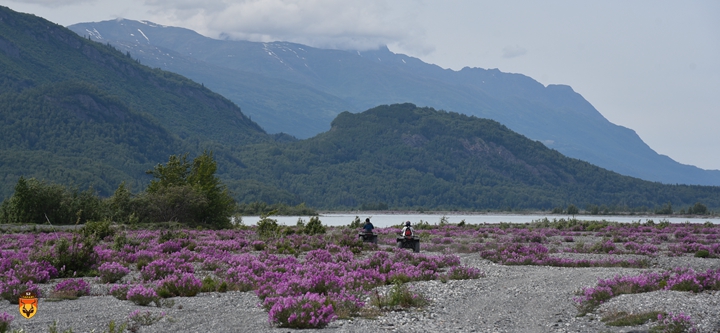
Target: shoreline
<point>503,213</point>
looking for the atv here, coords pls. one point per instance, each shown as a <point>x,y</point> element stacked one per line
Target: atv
<point>409,242</point>
<point>368,237</point>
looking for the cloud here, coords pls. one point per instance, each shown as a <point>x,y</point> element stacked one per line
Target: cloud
<point>509,52</point>
<point>346,24</point>
<point>54,3</point>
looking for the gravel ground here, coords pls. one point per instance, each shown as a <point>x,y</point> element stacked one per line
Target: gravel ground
<point>507,299</point>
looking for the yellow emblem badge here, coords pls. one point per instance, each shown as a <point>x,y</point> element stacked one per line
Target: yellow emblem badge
<point>28,304</point>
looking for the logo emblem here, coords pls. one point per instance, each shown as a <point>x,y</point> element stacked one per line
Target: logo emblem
<point>28,304</point>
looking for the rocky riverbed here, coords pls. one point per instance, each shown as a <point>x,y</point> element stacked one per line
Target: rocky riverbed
<point>506,299</point>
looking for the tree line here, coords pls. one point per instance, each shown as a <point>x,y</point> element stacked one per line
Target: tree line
<point>182,191</point>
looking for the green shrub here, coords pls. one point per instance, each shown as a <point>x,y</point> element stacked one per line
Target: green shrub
<point>75,257</point>
<point>702,253</point>
<point>398,296</point>
<point>356,223</point>
<point>209,285</point>
<point>97,229</point>
<point>267,227</point>
<point>142,262</point>
<point>314,226</point>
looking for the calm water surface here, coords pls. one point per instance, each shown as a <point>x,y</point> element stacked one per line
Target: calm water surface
<point>386,220</point>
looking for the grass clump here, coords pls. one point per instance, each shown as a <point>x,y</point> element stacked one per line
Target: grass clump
<point>631,319</point>
<point>54,329</point>
<point>115,328</point>
<point>398,296</point>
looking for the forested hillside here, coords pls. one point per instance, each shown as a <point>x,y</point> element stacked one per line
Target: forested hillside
<point>402,156</point>
<point>81,113</point>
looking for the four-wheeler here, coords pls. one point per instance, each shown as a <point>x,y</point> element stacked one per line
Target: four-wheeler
<point>368,237</point>
<point>409,242</point>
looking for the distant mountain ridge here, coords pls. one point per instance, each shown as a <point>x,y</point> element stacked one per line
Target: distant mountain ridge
<point>297,89</point>
<point>81,113</point>
<point>408,157</point>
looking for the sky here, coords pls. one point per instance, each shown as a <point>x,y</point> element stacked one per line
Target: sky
<point>649,65</point>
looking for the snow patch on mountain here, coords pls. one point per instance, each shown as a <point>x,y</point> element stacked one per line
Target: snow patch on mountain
<point>148,39</point>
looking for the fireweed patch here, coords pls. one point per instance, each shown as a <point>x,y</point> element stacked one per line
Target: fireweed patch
<point>112,272</point>
<point>141,295</point>
<point>11,288</point>
<point>537,254</point>
<point>71,288</point>
<point>673,323</point>
<point>679,279</point>
<point>5,320</point>
<point>310,280</point>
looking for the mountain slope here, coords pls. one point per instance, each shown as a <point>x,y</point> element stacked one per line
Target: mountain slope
<point>78,112</point>
<point>412,158</point>
<point>75,134</point>
<point>355,81</point>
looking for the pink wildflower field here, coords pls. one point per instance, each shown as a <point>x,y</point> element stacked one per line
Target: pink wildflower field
<point>308,281</point>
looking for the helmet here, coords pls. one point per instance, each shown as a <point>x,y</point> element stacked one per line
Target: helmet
<point>407,223</point>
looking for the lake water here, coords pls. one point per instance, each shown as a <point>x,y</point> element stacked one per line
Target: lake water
<point>386,220</point>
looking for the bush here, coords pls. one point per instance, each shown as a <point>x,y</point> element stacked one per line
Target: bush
<point>74,257</point>
<point>99,230</point>
<point>209,285</point>
<point>35,271</point>
<point>267,227</point>
<point>5,320</point>
<point>192,191</point>
<point>142,295</point>
<point>161,268</point>
<point>702,253</point>
<point>463,273</point>
<point>356,223</point>
<point>186,285</point>
<point>314,226</point>
<point>400,296</point>
<point>572,210</point>
<point>120,291</point>
<point>258,245</point>
<point>673,323</point>
<point>305,311</point>
<point>11,288</point>
<point>72,288</point>
<point>111,272</point>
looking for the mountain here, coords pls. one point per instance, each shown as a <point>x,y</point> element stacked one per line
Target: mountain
<point>78,112</point>
<point>81,113</point>
<point>298,90</point>
<point>407,157</point>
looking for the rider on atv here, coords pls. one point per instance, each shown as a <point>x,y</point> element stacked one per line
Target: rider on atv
<point>368,227</point>
<point>407,230</point>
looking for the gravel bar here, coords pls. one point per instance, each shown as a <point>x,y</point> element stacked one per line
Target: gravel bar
<point>507,299</point>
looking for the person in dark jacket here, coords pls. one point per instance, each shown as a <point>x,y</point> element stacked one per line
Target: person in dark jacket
<point>368,227</point>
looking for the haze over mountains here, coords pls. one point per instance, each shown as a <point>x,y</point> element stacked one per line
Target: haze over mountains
<point>298,90</point>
